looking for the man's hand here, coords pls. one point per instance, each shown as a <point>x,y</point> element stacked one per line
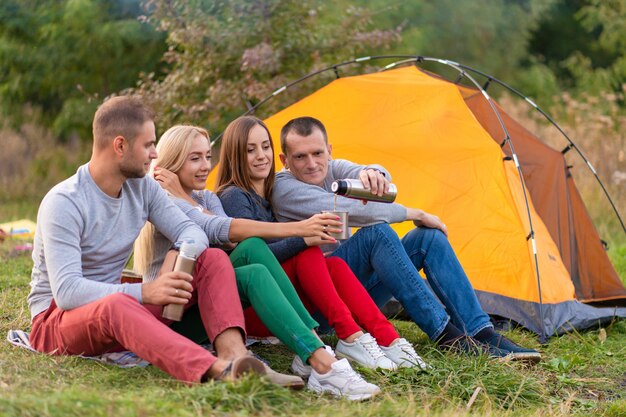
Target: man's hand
<point>170,182</point>
<point>168,288</point>
<point>375,181</point>
<point>422,219</point>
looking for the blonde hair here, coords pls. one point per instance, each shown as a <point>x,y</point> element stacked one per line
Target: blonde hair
<point>172,150</point>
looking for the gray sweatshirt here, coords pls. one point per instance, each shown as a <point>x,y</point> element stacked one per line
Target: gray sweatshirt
<point>296,200</point>
<point>216,227</point>
<point>84,238</point>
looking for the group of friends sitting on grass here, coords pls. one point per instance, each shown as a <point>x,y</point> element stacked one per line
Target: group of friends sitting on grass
<point>267,263</point>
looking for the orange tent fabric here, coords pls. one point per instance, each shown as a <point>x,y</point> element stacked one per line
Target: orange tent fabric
<point>559,204</point>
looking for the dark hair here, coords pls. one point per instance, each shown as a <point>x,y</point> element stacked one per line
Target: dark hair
<point>233,168</point>
<point>303,126</point>
<point>119,116</point>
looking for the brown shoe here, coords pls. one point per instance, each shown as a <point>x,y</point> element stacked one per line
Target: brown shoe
<point>242,366</point>
<point>284,380</point>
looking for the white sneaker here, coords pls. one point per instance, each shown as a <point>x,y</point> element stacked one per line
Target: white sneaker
<point>366,352</point>
<point>303,370</point>
<point>342,381</point>
<point>403,355</point>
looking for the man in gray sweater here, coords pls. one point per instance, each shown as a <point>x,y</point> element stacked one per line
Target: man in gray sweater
<point>386,265</point>
<point>86,227</point>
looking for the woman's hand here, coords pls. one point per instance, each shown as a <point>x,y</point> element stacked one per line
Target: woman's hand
<point>319,226</point>
<point>170,182</point>
<point>316,241</point>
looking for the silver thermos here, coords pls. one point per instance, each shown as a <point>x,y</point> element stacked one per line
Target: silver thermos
<point>185,262</point>
<point>353,188</point>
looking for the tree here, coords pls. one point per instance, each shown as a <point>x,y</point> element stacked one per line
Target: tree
<point>584,43</point>
<point>64,57</point>
<point>225,55</point>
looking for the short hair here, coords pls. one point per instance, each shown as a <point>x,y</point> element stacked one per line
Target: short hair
<point>119,116</point>
<point>303,126</point>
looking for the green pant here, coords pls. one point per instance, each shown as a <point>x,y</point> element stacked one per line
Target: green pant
<point>263,284</point>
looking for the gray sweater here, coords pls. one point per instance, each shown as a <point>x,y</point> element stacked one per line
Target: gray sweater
<point>84,238</point>
<point>296,200</point>
<point>216,227</point>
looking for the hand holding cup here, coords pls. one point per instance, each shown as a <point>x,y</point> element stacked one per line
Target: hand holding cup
<point>344,232</point>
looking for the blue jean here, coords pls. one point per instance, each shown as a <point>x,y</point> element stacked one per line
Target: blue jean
<point>389,267</point>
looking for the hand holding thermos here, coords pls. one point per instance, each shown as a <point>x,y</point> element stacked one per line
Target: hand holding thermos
<point>354,188</point>
<point>185,262</point>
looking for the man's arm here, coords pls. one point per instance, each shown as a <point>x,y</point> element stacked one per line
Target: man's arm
<point>61,225</point>
<point>378,177</point>
<point>295,200</point>
<point>169,287</point>
<point>422,219</point>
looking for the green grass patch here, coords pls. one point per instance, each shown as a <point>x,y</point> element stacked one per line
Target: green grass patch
<point>618,259</point>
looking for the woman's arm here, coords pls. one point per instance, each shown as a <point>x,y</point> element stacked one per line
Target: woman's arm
<point>316,226</point>
<point>241,205</point>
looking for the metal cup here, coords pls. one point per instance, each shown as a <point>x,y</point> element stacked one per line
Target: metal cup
<point>343,218</point>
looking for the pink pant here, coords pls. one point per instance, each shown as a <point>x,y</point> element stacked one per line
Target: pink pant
<point>118,321</point>
<point>330,286</point>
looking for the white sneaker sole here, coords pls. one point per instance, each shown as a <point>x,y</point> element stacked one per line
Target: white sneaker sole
<point>316,387</point>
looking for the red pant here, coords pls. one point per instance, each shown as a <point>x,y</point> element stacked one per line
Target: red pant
<point>330,286</point>
<point>118,321</point>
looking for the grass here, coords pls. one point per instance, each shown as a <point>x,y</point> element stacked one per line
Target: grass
<point>581,374</point>
<point>618,259</point>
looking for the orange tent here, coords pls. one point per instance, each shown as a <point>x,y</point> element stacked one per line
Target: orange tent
<point>442,160</point>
